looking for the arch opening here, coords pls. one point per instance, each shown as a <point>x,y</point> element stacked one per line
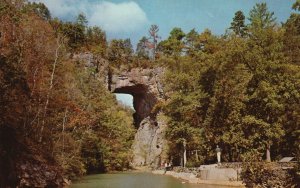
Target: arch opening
<point>143,101</point>
<point>125,99</point>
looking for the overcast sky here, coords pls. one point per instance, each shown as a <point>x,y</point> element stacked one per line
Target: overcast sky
<point>132,19</point>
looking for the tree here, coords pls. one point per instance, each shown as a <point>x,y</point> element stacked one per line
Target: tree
<point>292,35</point>
<point>95,36</point>
<point>184,108</point>
<point>226,83</point>
<point>296,5</point>
<point>81,20</point>
<point>174,44</point>
<point>265,106</point>
<point>96,41</point>
<point>177,34</point>
<point>142,49</point>
<point>153,33</point>
<point>40,9</point>
<point>128,47</point>
<point>238,24</point>
<point>192,42</point>
<point>120,52</point>
<point>75,34</point>
<point>260,17</point>
<point>209,43</point>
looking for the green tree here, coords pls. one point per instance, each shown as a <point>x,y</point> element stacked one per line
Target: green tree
<point>296,5</point>
<point>74,33</point>
<point>238,24</point>
<point>177,34</point>
<point>192,42</point>
<point>96,41</point>
<point>184,108</point>
<point>174,44</point>
<point>81,20</point>
<point>120,52</point>
<point>96,36</point>
<point>292,35</point>
<point>142,49</point>
<point>40,9</point>
<point>260,17</point>
<point>226,83</point>
<point>266,60</point>
<point>209,43</point>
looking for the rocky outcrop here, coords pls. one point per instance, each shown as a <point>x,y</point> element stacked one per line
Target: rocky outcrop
<point>146,88</point>
<point>149,147</point>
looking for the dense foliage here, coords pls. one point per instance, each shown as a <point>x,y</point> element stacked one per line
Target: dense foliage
<point>240,91</point>
<point>256,173</point>
<point>56,102</point>
<point>268,175</point>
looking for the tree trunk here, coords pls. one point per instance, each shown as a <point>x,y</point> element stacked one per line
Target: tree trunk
<point>184,153</point>
<point>197,158</point>
<point>268,153</point>
<point>63,132</point>
<point>59,44</point>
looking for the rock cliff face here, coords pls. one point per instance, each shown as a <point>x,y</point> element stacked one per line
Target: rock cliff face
<point>145,87</point>
<point>149,147</point>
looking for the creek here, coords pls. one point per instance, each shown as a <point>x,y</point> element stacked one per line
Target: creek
<point>135,180</point>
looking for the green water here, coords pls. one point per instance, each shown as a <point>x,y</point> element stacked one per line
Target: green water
<point>134,180</point>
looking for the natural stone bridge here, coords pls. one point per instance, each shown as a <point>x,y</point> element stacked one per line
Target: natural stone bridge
<point>145,87</point>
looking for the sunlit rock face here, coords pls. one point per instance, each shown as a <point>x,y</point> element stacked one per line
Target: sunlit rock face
<point>145,87</point>
<point>149,147</point>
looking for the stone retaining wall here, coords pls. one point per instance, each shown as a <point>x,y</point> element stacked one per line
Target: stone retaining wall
<point>210,172</point>
<point>190,177</point>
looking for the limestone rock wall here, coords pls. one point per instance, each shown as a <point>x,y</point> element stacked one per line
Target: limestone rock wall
<point>145,86</point>
<point>149,147</point>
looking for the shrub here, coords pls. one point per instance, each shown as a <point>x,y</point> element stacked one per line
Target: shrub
<point>268,175</point>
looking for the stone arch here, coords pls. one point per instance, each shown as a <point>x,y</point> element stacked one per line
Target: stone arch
<point>144,86</point>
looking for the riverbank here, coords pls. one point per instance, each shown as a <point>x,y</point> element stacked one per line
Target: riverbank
<point>192,178</point>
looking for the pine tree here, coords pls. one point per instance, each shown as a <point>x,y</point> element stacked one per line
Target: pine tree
<point>174,44</point>
<point>238,24</point>
<point>153,32</point>
<point>142,49</point>
<point>261,17</point>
